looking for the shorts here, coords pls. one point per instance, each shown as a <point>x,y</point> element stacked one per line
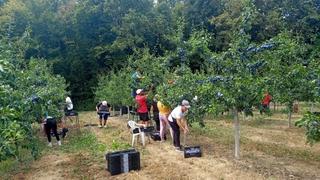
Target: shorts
<point>144,116</point>
<point>103,116</point>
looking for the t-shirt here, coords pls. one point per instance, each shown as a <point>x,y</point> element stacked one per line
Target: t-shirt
<point>176,114</point>
<point>163,110</point>
<point>136,77</point>
<point>142,104</point>
<point>69,106</point>
<point>103,107</point>
<point>266,100</point>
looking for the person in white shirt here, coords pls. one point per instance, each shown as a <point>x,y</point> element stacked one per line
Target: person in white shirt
<point>69,106</point>
<point>177,120</point>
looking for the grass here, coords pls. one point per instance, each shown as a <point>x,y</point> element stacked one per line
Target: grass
<point>83,141</point>
<point>220,131</point>
<point>13,166</point>
<point>279,150</point>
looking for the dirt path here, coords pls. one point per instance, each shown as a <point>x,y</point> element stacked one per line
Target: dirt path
<point>161,161</point>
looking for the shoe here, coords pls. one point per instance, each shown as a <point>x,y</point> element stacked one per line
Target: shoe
<point>50,144</point>
<point>105,126</point>
<point>100,126</point>
<point>178,149</point>
<point>59,143</point>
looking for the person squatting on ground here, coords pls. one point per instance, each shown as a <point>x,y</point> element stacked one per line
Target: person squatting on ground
<point>68,107</point>
<point>142,108</point>
<point>103,110</point>
<point>50,123</point>
<point>177,120</point>
<point>164,112</point>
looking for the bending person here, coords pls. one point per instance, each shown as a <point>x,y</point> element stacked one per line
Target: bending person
<point>103,110</point>
<point>177,120</point>
<point>50,123</point>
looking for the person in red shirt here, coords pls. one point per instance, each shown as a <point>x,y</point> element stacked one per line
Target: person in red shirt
<point>142,108</point>
<point>265,103</point>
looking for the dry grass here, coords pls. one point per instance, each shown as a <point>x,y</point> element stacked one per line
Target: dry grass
<point>269,150</point>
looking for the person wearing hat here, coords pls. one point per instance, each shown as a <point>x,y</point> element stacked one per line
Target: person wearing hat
<point>103,110</point>
<point>69,106</point>
<point>142,108</point>
<point>177,120</point>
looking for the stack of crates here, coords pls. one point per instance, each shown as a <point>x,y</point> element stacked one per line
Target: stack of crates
<point>123,161</point>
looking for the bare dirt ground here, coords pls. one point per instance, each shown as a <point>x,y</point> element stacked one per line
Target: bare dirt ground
<point>269,150</point>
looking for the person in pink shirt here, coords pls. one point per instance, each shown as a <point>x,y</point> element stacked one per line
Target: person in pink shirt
<point>142,108</point>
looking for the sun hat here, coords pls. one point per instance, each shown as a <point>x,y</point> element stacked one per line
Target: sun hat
<point>139,91</point>
<point>185,103</point>
<point>68,100</point>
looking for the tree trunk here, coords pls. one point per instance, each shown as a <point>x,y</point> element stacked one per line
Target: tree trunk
<point>236,133</point>
<point>121,111</point>
<point>274,106</point>
<point>113,112</point>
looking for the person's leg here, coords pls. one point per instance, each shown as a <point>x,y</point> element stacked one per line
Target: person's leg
<point>169,127</point>
<point>105,118</point>
<point>156,119</point>
<point>100,120</point>
<point>144,117</point>
<point>47,129</point>
<point>177,137</point>
<point>176,133</point>
<point>55,132</point>
<point>141,118</point>
<point>162,126</point>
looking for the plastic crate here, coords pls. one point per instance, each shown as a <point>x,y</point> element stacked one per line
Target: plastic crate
<point>123,161</point>
<point>192,151</point>
<point>155,136</point>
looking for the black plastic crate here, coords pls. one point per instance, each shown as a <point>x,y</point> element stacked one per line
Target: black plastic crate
<point>192,151</point>
<point>148,129</point>
<point>123,161</point>
<point>155,136</point>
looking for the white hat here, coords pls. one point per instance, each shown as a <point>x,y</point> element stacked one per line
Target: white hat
<point>104,103</point>
<point>139,91</point>
<point>185,103</point>
<point>68,100</point>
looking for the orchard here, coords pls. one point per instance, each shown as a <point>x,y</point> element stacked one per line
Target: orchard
<point>221,56</point>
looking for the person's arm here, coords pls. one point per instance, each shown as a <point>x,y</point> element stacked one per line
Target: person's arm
<point>97,107</point>
<point>181,123</point>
